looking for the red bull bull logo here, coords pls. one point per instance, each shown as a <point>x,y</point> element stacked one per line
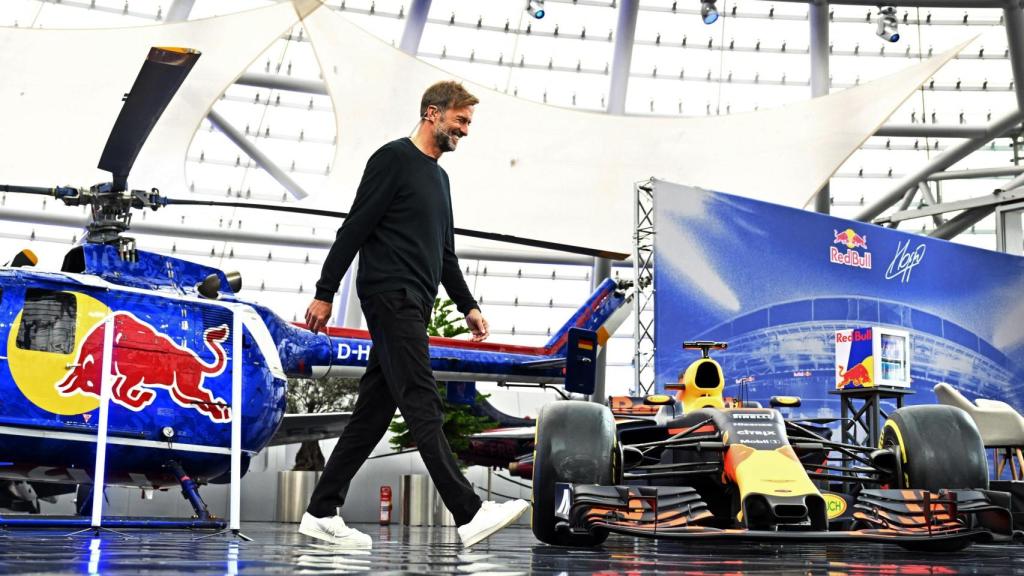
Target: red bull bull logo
<point>856,377</point>
<point>145,359</point>
<point>851,240</point>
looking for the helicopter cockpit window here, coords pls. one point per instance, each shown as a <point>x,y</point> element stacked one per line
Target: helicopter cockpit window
<point>48,322</point>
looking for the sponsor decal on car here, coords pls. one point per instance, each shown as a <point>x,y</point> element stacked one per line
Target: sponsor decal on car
<point>835,506</point>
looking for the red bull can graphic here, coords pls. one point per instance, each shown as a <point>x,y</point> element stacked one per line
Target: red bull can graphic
<point>854,359</point>
<point>851,240</point>
<point>144,360</point>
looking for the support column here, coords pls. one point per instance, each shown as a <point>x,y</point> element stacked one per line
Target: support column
<point>346,301</point>
<point>414,24</point>
<point>818,18</point>
<point>179,10</point>
<point>602,269</point>
<point>1014,17</point>
<point>353,309</point>
<point>1009,232</point>
<point>622,57</point>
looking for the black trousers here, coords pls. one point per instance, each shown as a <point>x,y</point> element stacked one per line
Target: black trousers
<point>398,375</point>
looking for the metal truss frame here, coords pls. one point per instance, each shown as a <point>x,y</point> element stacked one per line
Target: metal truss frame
<point>643,302</point>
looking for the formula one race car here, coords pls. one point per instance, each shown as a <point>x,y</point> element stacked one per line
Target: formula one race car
<point>694,466</point>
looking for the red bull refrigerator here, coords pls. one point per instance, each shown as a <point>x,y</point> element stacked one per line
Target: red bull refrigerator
<point>873,356</point>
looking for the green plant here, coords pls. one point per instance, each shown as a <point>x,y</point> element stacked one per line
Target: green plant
<point>444,321</point>
<point>459,421</point>
<point>307,396</point>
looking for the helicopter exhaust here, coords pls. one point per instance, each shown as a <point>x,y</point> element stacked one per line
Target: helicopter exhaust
<point>210,286</point>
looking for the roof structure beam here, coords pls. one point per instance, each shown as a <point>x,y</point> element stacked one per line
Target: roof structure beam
<point>277,82</point>
<point>931,131</point>
<point>258,156</point>
<point>962,222</point>
<point>1013,184</point>
<point>976,173</point>
<point>918,3</point>
<point>928,200</point>
<point>305,86</point>
<point>904,204</point>
<point>940,163</point>
<point>990,201</point>
<point>622,55</point>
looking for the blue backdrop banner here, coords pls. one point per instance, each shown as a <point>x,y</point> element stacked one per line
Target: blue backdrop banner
<point>776,283</point>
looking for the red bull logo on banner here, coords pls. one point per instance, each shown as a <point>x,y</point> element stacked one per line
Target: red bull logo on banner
<point>850,257</point>
<point>145,359</point>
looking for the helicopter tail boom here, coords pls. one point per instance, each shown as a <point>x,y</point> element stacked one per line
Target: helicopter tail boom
<point>345,352</point>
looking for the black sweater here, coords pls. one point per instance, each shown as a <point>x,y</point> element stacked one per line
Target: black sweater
<point>401,225</point>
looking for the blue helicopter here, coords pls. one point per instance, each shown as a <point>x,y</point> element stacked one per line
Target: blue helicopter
<point>174,328</point>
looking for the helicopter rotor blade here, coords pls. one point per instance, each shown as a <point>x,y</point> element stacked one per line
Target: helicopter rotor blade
<point>159,79</point>
<point>508,238</point>
<point>595,252</point>
<point>272,207</point>
<point>27,189</point>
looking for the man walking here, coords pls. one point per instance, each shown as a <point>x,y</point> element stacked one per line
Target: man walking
<point>401,226</point>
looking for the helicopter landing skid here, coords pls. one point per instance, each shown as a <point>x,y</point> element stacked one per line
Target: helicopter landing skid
<point>234,532</point>
<point>110,523</point>
<point>203,520</point>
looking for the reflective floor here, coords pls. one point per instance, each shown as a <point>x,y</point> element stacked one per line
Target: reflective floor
<point>278,549</point>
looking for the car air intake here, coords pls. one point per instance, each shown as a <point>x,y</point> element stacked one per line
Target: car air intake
<point>707,376</point>
<point>764,512</point>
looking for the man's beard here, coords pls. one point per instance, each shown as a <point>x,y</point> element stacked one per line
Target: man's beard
<point>444,140</point>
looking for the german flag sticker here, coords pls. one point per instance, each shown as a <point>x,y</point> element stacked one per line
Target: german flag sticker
<point>585,345</point>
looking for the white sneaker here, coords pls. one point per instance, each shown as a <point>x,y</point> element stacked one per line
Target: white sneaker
<point>333,529</point>
<point>491,517</point>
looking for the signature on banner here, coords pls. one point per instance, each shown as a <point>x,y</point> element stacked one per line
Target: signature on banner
<point>904,261</point>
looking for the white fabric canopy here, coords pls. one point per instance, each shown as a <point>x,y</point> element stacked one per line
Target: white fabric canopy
<point>62,89</point>
<point>563,175</point>
<point>527,169</point>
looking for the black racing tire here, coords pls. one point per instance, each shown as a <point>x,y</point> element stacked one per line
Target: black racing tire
<point>575,443</point>
<point>940,448</point>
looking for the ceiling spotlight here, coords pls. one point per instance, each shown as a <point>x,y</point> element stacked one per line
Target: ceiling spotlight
<point>535,8</point>
<point>888,29</point>
<point>708,12</point>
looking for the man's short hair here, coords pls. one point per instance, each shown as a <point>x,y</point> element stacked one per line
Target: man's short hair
<point>446,94</point>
